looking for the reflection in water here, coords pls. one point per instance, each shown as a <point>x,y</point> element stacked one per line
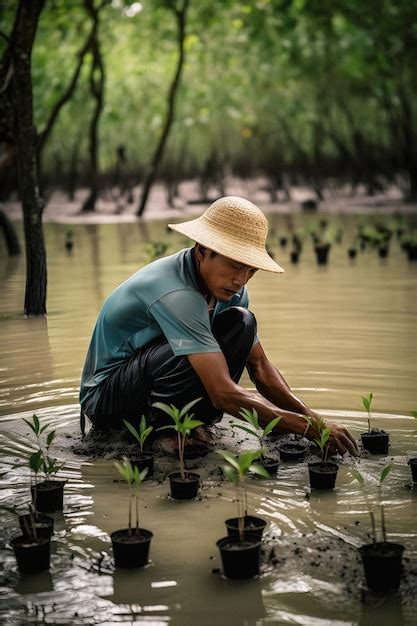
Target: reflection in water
<point>335,332</point>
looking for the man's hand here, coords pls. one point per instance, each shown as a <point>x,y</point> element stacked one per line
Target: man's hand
<point>341,440</point>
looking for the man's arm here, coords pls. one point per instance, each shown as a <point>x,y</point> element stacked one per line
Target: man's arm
<point>271,384</point>
<point>227,396</point>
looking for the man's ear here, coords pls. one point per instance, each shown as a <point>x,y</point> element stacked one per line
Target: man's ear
<point>201,249</point>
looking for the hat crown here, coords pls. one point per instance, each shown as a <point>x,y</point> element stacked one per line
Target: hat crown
<point>238,218</point>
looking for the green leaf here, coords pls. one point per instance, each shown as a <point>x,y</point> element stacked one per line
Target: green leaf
<point>169,410</point>
<point>132,430</point>
<point>357,475</point>
<point>231,474</point>
<point>143,474</point>
<point>245,428</point>
<point>230,458</point>
<point>367,401</point>
<point>50,437</point>
<point>271,425</point>
<point>190,424</point>
<point>43,428</point>
<point>35,461</point>
<point>246,459</point>
<point>413,413</point>
<point>170,427</point>
<point>385,472</point>
<point>36,423</point>
<point>30,425</point>
<point>250,416</point>
<point>258,469</point>
<point>188,406</point>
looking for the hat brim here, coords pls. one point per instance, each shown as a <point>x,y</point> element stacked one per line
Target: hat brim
<point>230,246</point>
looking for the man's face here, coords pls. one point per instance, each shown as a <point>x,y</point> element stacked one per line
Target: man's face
<point>222,276</point>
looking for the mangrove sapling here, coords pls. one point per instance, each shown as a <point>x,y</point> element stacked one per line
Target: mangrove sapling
<point>255,429</point>
<point>374,440</point>
<point>240,550</point>
<point>131,544</point>
<point>183,425</point>
<point>236,472</point>
<point>381,559</point>
<point>322,474</point>
<point>143,459</point>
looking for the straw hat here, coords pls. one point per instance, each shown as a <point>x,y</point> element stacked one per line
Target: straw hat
<point>235,228</point>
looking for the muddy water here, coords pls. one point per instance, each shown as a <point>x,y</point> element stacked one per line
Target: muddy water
<point>335,333</point>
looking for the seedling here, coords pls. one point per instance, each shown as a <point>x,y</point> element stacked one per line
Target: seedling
<point>254,428</point>
<point>134,479</point>
<point>358,476</point>
<point>144,431</point>
<point>367,401</point>
<point>322,440</point>
<point>183,425</point>
<point>236,471</point>
<point>41,459</point>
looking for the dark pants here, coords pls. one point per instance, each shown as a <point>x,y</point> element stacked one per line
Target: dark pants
<point>154,374</point>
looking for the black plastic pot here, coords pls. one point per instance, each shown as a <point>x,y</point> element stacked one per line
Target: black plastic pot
<point>49,495</point>
<point>292,451</point>
<point>31,556</point>
<point>131,548</point>
<point>382,564</point>
<point>413,466</point>
<point>143,460</point>
<point>44,525</point>
<point>294,256</point>
<point>322,475</point>
<point>240,559</point>
<point>383,252</point>
<point>322,253</point>
<point>352,252</point>
<point>184,489</point>
<point>376,441</point>
<point>253,526</point>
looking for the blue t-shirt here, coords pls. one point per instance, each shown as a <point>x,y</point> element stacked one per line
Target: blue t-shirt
<point>162,298</point>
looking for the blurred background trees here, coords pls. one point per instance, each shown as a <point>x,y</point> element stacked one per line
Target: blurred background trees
<point>314,92</point>
<point>318,91</point>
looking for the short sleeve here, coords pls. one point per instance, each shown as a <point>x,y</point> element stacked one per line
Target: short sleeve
<point>182,316</point>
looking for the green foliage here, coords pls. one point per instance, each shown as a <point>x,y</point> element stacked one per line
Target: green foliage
<point>359,477</point>
<point>367,401</point>
<point>144,431</point>
<point>255,429</point>
<point>413,414</point>
<point>41,459</point>
<point>236,472</point>
<point>134,479</point>
<point>183,425</point>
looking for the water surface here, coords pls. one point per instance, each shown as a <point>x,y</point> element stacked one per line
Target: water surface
<point>335,333</point>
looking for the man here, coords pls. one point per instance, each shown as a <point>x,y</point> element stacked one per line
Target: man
<point>180,329</point>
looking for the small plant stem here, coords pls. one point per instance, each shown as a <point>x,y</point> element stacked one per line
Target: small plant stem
<point>137,511</point>
<point>245,494</point>
<point>372,516</point>
<point>130,513</point>
<point>384,532</point>
<point>369,421</point>
<point>325,453</point>
<point>181,442</point>
<point>241,519</point>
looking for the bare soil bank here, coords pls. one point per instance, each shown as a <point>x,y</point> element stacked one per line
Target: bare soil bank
<point>112,210</point>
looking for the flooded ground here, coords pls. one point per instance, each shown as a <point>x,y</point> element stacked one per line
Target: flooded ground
<point>335,332</point>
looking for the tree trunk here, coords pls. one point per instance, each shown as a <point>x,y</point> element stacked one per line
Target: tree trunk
<point>157,157</point>
<point>97,90</point>
<point>27,18</point>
